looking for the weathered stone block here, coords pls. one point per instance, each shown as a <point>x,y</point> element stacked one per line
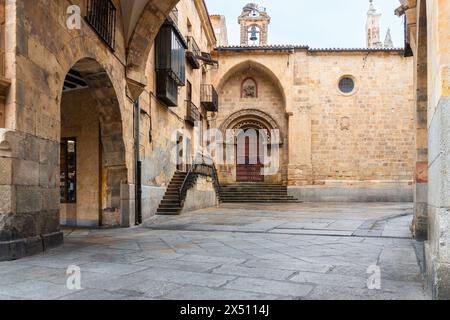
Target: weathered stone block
<point>29,148</point>
<point>6,171</point>
<point>29,199</point>
<point>127,192</point>
<point>112,218</point>
<point>441,285</point>
<point>50,199</point>
<point>128,213</point>
<point>7,199</point>
<point>25,173</point>
<point>47,221</point>
<point>48,152</point>
<point>16,249</point>
<point>151,198</point>
<point>48,175</point>
<point>52,240</point>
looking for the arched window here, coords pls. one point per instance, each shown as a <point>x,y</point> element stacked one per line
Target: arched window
<point>249,89</point>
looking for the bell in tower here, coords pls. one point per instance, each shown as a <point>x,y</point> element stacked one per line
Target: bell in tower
<point>253,34</point>
<point>254,22</point>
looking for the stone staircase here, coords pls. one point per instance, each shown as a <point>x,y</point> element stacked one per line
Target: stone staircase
<point>255,193</point>
<point>170,205</point>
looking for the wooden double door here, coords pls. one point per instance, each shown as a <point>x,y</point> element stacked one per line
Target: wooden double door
<point>249,164</point>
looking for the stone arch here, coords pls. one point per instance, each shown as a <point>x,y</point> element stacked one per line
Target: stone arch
<point>112,145</point>
<point>141,39</point>
<point>252,117</point>
<point>257,66</point>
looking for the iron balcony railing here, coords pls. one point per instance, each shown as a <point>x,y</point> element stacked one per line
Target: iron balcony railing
<point>192,113</point>
<point>209,98</point>
<point>101,15</point>
<point>193,53</point>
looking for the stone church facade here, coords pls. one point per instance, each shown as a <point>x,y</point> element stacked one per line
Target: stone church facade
<point>337,143</point>
<point>91,110</point>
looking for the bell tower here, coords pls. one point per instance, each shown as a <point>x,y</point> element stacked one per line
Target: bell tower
<point>373,27</point>
<point>254,22</point>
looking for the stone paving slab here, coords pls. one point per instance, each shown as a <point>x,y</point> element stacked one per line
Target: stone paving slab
<point>293,265</point>
<point>194,266</point>
<point>314,232</point>
<point>234,252</point>
<point>186,277</point>
<point>264,273</point>
<point>98,294</point>
<point>205,293</point>
<point>35,290</point>
<point>280,288</point>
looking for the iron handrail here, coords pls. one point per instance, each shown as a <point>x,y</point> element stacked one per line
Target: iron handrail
<point>195,170</point>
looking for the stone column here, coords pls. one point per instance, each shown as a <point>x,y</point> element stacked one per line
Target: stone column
<point>420,223</point>
<point>299,133</point>
<point>437,248</point>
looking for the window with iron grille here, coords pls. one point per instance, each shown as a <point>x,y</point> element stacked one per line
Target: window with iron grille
<point>170,50</point>
<point>171,53</point>
<point>101,15</point>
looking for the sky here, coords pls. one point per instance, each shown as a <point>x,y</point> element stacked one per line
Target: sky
<point>316,23</point>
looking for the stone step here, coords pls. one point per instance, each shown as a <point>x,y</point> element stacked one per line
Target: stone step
<point>169,210</point>
<point>171,202</point>
<point>256,193</point>
<point>256,187</point>
<point>261,201</point>
<point>257,198</point>
<point>164,213</point>
<point>256,184</point>
<point>253,192</point>
<point>177,181</point>
<point>171,197</point>
<point>164,208</point>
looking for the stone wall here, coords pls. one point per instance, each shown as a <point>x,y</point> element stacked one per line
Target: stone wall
<point>269,103</point>
<point>40,52</point>
<point>160,124</point>
<point>79,120</point>
<point>367,135</point>
<point>338,147</point>
<point>437,248</point>
<point>201,195</point>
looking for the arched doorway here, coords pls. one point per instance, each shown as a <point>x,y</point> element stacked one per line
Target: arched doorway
<point>249,155</point>
<point>256,142</point>
<point>92,153</point>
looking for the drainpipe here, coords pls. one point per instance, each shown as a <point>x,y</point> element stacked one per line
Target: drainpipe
<point>138,163</point>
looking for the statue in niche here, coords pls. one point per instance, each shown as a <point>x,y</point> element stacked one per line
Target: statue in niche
<point>249,89</point>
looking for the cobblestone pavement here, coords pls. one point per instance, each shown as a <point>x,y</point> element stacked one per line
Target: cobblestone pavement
<point>289,251</point>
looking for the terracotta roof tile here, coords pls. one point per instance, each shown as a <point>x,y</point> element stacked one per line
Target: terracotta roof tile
<point>294,47</point>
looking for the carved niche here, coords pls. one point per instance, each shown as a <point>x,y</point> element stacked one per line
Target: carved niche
<point>249,89</point>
